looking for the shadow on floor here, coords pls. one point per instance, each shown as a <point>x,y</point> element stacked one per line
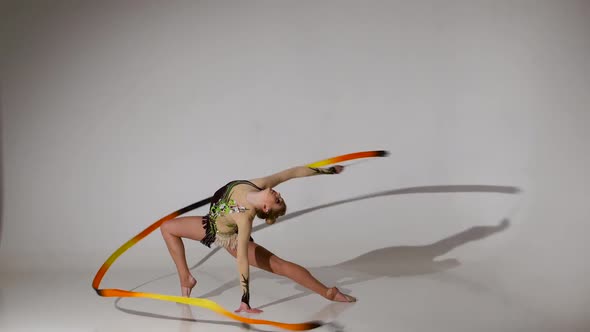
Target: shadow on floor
<point>396,261</point>
<point>445,189</point>
<point>393,261</point>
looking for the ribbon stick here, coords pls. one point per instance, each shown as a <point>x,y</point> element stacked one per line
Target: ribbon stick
<point>205,303</point>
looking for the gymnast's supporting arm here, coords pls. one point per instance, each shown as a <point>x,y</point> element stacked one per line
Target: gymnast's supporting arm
<point>273,180</point>
<point>244,230</point>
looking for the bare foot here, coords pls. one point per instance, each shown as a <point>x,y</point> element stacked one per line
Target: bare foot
<point>246,308</point>
<point>187,286</point>
<point>334,294</point>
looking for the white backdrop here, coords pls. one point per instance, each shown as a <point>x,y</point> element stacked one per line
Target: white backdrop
<point>117,113</point>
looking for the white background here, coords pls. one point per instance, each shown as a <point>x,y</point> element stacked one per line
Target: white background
<point>115,114</point>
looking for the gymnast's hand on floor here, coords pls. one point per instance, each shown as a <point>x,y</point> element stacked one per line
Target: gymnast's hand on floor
<point>246,308</point>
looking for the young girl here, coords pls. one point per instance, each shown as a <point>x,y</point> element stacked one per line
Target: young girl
<point>229,224</point>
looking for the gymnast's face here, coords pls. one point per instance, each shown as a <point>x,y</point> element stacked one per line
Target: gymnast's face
<point>274,202</point>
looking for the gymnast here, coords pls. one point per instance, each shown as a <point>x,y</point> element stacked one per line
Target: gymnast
<point>229,224</point>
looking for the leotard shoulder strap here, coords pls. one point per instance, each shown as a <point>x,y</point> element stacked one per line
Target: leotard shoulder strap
<point>232,184</point>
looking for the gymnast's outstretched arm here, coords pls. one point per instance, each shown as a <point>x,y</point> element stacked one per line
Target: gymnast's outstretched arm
<point>274,180</point>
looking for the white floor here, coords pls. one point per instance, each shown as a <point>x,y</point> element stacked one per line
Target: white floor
<point>400,288</point>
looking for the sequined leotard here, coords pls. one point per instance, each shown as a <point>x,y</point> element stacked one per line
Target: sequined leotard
<point>222,204</point>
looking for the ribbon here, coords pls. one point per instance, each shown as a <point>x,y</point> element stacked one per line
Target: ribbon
<point>205,303</point>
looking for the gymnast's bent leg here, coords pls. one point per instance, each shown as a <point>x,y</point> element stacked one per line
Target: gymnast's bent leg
<point>173,231</point>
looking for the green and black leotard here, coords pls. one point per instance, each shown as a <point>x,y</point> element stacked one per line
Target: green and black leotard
<point>222,204</point>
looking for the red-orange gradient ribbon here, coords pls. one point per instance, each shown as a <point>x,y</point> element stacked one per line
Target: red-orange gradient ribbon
<point>205,303</point>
